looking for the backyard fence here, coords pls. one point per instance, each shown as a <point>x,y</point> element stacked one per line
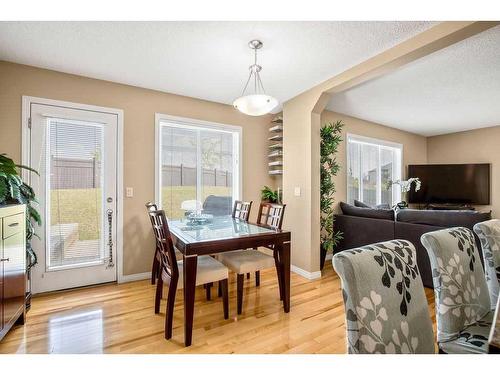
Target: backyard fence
<point>180,175</point>
<point>74,173</point>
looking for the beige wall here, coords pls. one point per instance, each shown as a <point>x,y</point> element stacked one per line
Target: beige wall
<point>300,163</point>
<point>474,146</point>
<point>414,146</point>
<point>139,106</point>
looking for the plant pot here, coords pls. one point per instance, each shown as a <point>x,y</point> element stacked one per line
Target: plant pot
<point>322,257</point>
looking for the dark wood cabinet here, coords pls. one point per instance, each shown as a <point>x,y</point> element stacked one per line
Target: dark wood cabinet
<point>12,267</point>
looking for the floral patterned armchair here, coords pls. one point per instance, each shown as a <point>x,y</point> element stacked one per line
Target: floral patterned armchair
<point>489,235</point>
<point>385,304</point>
<point>463,309</point>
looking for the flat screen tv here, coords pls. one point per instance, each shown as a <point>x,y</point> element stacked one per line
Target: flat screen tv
<point>464,184</point>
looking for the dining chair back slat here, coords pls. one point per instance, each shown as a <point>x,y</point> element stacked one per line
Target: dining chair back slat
<point>241,210</point>
<point>271,214</point>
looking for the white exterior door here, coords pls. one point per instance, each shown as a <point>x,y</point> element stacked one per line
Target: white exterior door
<point>75,152</point>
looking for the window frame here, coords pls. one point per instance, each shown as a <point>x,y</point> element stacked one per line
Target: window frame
<point>195,124</point>
<point>380,144</point>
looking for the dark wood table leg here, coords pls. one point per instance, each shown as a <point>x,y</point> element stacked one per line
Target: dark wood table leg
<point>279,272</point>
<point>190,264</point>
<point>284,257</point>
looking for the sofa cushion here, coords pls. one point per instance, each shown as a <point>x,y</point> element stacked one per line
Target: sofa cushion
<point>443,218</point>
<point>382,206</point>
<point>361,231</point>
<point>373,213</point>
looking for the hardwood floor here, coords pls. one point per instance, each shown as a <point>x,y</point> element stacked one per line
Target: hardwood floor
<point>120,319</point>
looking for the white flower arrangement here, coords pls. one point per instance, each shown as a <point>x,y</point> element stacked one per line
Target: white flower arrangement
<point>405,185</point>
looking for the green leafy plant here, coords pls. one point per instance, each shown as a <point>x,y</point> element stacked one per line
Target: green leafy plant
<point>331,138</point>
<point>13,190</point>
<point>270,195</point>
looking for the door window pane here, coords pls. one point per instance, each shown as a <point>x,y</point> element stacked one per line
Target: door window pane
<point>74,162</point>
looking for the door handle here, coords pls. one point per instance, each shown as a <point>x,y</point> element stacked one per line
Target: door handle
<point>4,259</point>
<point>13,225</point>
<point>110,238</point>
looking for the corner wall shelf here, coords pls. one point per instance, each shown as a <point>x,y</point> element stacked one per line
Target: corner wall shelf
<point>275,163</point>
<point>275,148</point>
<point>276,172</point>
<point>276,138</point>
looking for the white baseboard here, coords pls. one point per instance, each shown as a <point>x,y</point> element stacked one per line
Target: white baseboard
<point>299,271</point>
<point>308,275</point>
<point>134,277</point>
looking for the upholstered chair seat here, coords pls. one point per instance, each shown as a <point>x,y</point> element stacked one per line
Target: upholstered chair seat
<point>243,261</point>
<point>472,339</point>
<point>489,235</point>
<point>385,304</point>
<point>463,308</point>
<point>208,270</point>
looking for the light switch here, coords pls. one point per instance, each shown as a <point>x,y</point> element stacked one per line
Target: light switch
<point>296,191</point>
<point>129,192</point>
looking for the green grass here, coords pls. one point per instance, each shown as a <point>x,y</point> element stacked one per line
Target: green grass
<point>83,206</point>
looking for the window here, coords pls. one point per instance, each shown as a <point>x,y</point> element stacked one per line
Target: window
<point>371,164</point>
<point>197,166</point>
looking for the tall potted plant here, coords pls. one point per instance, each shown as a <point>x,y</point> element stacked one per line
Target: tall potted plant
<point>331,137</point>
<point>14,191</point>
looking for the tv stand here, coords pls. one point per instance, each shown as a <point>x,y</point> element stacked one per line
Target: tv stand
<point>449,206</point>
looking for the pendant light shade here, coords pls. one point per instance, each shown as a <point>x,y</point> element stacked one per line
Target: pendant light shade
<point>257,103</point>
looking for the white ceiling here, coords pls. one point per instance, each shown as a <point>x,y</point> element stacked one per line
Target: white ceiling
<point>207,60</point>
<point>452,90</point>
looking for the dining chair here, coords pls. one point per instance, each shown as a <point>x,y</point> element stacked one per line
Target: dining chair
<point>150,206</point>
<point>241,211</point>
<point>385,305</point>
<point>463,308</point>
<point>489,235</point>
<point>155,270</point>
<point>209,270</point>
<point>247,261</point>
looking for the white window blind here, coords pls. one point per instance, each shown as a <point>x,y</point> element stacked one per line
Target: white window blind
<point>371,165</point>
<point>74,192</point>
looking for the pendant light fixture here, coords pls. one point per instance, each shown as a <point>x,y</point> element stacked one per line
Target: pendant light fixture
<point>256,103</point>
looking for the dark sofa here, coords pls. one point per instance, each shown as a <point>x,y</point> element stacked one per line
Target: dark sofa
<point>363,226</point>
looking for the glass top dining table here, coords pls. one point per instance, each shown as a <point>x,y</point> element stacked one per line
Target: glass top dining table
<point>223,234</point>
<point>218,228</point>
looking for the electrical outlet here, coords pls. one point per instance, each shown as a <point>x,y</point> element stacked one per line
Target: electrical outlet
<point>296,191</point>
<point>129,193</point>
